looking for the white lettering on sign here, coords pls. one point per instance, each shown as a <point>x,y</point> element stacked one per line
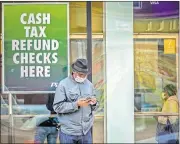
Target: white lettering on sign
<point>32,58</point>
<point>54,84</point>
<point>154,2</point>
<point>40,18</point>
<point>35,48</point>
<point>35,71</point>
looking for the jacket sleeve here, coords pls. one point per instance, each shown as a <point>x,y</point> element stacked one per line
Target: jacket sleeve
<point>95,106</point>
<point>60,104</point>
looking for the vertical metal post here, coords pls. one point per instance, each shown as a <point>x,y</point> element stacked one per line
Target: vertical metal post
<point>179,71</point>
<point>89,37</point>
<point>89,42</point>
<point>11,121</point>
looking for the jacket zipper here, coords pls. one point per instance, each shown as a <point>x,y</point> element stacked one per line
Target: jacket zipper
<point>82,109</point>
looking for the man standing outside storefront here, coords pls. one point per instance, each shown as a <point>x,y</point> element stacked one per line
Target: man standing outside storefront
<point>75,103</point>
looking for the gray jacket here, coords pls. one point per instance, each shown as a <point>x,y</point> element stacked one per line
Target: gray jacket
<point>73,119</point>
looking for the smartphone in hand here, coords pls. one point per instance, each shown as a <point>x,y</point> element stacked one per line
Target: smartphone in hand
<point>88,99</point>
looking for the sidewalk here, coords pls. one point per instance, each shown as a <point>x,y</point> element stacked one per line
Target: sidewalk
<point>150,140</point>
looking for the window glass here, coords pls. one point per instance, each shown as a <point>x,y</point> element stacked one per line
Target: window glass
<point>155,67</point>
<point>31,104</point>
<point>156,52</point>
<point>4,104</point>
<point>98,73</point>
<point>77,15</point>
<point>97,17</point>
<point>98,79</point>
<point>78,49</point>
<point>145,129</point>
<point>98,68</point>
<point>5,125</point>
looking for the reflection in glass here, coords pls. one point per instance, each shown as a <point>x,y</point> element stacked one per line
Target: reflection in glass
<point>153,70</point>
<point>155,66</point>
<point>98,73</point>
<point>98,79</point>
<point>5,123</point>
<point>30,104</point>
<point>145,129</point>
<point>97,17</point>
<point>5,126</point>
<point>77,16</point>
<point>78,49</point>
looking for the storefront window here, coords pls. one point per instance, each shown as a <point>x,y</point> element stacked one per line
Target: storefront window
<point>156,50</point>
<point>154,69</point>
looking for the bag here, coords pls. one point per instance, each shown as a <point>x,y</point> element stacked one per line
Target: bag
<point>39,120</point>
<point>50,100</point>
<point>165,133</point>
<point>49,103</point>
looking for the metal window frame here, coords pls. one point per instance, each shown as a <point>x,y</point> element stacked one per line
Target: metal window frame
<point>89,37</point>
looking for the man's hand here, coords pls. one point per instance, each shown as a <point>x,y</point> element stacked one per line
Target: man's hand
<point>82,102</point>
<point>93,101</point>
